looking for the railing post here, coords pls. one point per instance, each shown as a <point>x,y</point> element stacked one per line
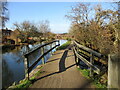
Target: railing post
<point>54,43</point>
<point>51,47</point>
<point>75,55</point>
<point>26,62</point>
<point>58,42</point>
<point>77,59</point>
<point>92,62</point>
<point>42,51</point>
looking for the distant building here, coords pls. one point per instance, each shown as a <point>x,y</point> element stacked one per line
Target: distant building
<point>6,32</point>
<point>9,36</point>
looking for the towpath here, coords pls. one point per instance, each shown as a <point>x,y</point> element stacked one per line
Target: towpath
<point>60,71</point>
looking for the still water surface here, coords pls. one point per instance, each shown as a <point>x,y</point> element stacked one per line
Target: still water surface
<point>13,69</point>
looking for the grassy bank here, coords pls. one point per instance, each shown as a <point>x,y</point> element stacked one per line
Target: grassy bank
<point>64,46</point>
<point>96,81</point>
<point>23,84</point>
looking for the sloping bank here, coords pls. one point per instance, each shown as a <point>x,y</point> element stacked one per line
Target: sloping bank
<point>64,46</point>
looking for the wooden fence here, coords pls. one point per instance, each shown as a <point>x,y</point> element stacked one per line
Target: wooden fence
<point>88,56</point>
<point>28,68</point>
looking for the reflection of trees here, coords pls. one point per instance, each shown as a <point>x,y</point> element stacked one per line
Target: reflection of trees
<point>33,56</point>
<point>17,48</point>
<point>7,75</point>
<point>19,58</point>
<point>13,49</point>
<point>7,48</point>
<point>25,49</point>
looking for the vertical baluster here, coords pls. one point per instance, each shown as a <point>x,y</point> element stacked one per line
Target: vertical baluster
<point>42,52</point>
<point>26,62</point>
<point>75,55</point>
<point>55,43</point>
<point>51,47</point>
<point>58,42</point>
<point>77,59</point>
<point>92,62</point>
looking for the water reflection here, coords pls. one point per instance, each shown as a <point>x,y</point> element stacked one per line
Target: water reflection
<point>7,72</point>
<point>13,62</point>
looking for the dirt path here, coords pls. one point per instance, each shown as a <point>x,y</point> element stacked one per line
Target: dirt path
<point>60,72</point>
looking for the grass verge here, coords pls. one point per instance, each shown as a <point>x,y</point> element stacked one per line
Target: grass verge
<point>64,46</point>
<point>96,82</point>
<point>26,83</point>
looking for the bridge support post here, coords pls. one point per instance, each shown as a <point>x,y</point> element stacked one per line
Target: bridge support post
<point>75,55</point>
<point>55,44</point>
<point>51,47</point>
<point>58,42</point>
<point>114,71</point>
<point>42,52</point>
<point>92,62</point>
<point>26,63</point>
<point>77,59</point>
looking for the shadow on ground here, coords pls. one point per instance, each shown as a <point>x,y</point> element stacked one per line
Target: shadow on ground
<point>57,59</point>
<point>62,67</point>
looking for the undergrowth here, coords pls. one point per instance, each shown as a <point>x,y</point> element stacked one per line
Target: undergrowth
<point>96,82</point>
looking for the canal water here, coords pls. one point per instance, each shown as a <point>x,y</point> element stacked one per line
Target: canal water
<point>13,69</point>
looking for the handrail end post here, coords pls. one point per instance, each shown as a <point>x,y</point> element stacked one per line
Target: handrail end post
<point>26,63</point>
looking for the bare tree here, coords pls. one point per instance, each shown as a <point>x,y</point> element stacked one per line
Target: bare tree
<point>30,29</point>
<point>27,29</point>
<point>3,13</point>
<point>44,27</point>
<point>97,32</point>
<point>80,21</point>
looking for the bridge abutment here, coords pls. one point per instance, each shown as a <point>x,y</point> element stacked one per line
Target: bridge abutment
<point>114,71</point>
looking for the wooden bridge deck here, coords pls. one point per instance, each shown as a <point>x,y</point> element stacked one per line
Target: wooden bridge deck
<point>60,72</point>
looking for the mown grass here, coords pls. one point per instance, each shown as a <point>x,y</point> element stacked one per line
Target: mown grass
<point>86,73</point>
<point>64,46</point>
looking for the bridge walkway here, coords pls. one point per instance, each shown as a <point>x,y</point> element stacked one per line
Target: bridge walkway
<point>60,71</point>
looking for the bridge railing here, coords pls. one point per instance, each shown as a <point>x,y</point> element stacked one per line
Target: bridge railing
<point>28,68</point>
<point>88,56</point>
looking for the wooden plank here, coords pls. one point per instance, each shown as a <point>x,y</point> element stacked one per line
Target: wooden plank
<point>33,65</point>
<point>97,70</point>
<point>27,54</point>
<point>88,50</point>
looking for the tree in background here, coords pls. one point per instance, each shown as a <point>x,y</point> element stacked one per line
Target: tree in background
<point>29,29</point>
<point>44,28</point>
<point>3,13</point>
<point>96,31</point>
<point>25,28</point>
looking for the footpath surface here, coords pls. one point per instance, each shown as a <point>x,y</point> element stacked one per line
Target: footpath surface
<point>60,71</point>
